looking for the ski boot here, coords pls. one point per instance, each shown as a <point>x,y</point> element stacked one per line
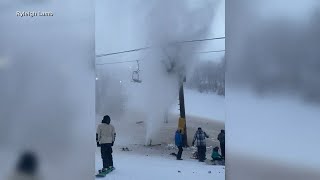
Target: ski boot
<point>111,168</point>
<point>103,170</point>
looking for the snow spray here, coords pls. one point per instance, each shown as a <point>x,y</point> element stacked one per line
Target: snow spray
<point>162,65</point>
<point>167,61</point>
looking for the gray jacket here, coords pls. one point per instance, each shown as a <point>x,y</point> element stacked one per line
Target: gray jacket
<point>106,133</point>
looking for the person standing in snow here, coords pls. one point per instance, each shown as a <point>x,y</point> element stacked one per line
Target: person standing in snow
<point>106,135</point>
<point>222,142</point>
<point>179,143</point>
<point>200,139</point>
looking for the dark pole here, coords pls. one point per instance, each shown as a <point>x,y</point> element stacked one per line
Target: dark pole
<point>181,102</point>
<point>183,112</point>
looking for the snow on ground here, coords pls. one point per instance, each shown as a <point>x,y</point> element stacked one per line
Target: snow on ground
<point>202,105</point>
<point>155,162</point>
<point>149,164</point>
<point>256,122</point>
<point>210,106</point>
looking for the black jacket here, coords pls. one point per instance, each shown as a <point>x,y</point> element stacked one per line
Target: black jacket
<point>221,138</point>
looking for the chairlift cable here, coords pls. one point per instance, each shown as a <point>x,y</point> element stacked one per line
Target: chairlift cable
<point>148,47</point>
<point>120,62</point>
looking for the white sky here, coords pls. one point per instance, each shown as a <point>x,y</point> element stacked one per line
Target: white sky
<point>292,10</point>
<point>119,25</point>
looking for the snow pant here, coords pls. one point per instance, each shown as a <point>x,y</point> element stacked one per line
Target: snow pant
<point>179,152</point>
<point>201,153</point>
<point>222,146</point>
<point>106,155</point>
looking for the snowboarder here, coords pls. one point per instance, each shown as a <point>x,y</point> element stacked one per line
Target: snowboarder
<point>222,142</point>
<point>106,136</point>
<point>200,138</point>
<point>27,168</point>
<point>179,143</point>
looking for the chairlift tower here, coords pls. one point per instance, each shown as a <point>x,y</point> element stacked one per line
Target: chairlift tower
<point>182,119</point>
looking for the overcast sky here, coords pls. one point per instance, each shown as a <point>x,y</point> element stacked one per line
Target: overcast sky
<point>120,25</point>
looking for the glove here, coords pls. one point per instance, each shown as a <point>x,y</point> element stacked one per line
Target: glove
<point>98,145</point>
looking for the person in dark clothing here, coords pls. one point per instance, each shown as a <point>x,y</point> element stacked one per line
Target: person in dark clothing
<point>106,135</point>
<point>221,138</point>
<point>28,163</point>
<point>200,139</point>
<point>27,168</point>
<point>179,143</point>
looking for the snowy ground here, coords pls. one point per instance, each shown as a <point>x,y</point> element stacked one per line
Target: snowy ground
<point>209,106</point>
<point>144,163</point>
<point>155,162</point>
<point>255,122</point>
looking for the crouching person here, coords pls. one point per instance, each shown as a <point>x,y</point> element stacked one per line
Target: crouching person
<point>216,157</point>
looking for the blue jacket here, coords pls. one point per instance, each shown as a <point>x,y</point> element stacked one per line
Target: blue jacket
<point>178,139</point>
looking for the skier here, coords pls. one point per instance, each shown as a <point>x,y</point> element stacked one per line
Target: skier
<point>106,136</point>
<point>222,142</point>
<point>179,143</point>
<point>27,168</point>
<point>200,136</point>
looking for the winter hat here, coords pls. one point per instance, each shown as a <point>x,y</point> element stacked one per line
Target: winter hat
<point>216,148</point>
<point>27,163</point>
<point>106,119</point>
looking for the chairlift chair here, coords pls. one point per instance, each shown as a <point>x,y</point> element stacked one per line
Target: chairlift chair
<point>135,77</point>
<point>135,74</point>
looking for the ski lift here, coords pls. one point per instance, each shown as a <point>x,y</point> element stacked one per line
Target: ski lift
<point>135,74</point>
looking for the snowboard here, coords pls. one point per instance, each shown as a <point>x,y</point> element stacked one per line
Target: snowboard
<point>103,174</point>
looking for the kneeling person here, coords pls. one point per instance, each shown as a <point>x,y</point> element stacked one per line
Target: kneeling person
<point>215,155</point>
